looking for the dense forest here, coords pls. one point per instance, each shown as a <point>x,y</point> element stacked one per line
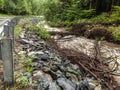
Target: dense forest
<point>21,7</point>
<point>71,10</point>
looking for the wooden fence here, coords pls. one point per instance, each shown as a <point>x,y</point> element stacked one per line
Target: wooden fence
<point>6,50</point>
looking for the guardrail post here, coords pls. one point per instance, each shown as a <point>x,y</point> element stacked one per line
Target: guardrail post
<point>6,31</point>
<point>11,35</point>
<point>7,58</point>
<point>12,23</point>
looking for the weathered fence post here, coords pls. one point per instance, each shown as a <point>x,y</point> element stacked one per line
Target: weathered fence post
<point>7,58</point>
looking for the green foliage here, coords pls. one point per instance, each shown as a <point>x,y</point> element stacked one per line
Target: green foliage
<point>40,31</point>
<point>22,81</point>
<point>22,7</point>
<point>9,6</point>
<point>19,27</point>
<point>28,61</point>
<point>87,13</point>
<point>1,4</point>
<point>115,16</point>
<point>115,33</point>
<point>28,67</point>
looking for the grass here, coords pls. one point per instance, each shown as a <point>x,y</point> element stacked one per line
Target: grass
<point>6,15</point>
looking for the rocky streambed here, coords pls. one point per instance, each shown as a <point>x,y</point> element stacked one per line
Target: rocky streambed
<point>51,70</point>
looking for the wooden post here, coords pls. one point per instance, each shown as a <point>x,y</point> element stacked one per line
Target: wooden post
<point>7,58</point>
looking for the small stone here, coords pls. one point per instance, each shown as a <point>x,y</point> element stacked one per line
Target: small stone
<point>59,73</point>
<point>34,64</point>
<point>92,83</point>
<point>46,69</point>
<point>44,57</point>
<point>98,87</point>
<point>75,67</point>
<point>27,74</point>
<point>37,73</point>
<point>57,59</point>
<point>32,53</point>
<point>72,77</point>
<point>71,70</point>
<point>43,83</point>
<point>21,52</point>
<point>84,85</point>
<point>25,47</point>
<point>54,86</point>
<point>62,82</point>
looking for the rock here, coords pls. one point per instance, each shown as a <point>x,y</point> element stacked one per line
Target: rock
<point>59,73</point>
<point>23,35</point>
<point>66,84</point>
<point>34,64</point>
<point>71,70</point>
<point>39,55</point>
<point>32,53</point>
<point>75,66</point>
<point>92,83</point>
<point>46,69</point>
<point>43,83</point>
<point>37,73</point>
<point>61,67</point>
<point>21,52</point>
<point>72,77</point>
<point>54,86</point>
<point>25,47</point>
<point>98,87</point>
<point>84,85</point>
<point>57,59</point>
<point>27,74</point>
<point>56,75</point>
<point>44,57</point>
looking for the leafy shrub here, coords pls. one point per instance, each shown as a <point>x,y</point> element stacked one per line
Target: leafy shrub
<point>1,4</point>
<point>115,33</point>
<point>40,31</point>
<point>18,30</point>
<point>87,13</point>
<point>20,26</point>
<point>115,16</point>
